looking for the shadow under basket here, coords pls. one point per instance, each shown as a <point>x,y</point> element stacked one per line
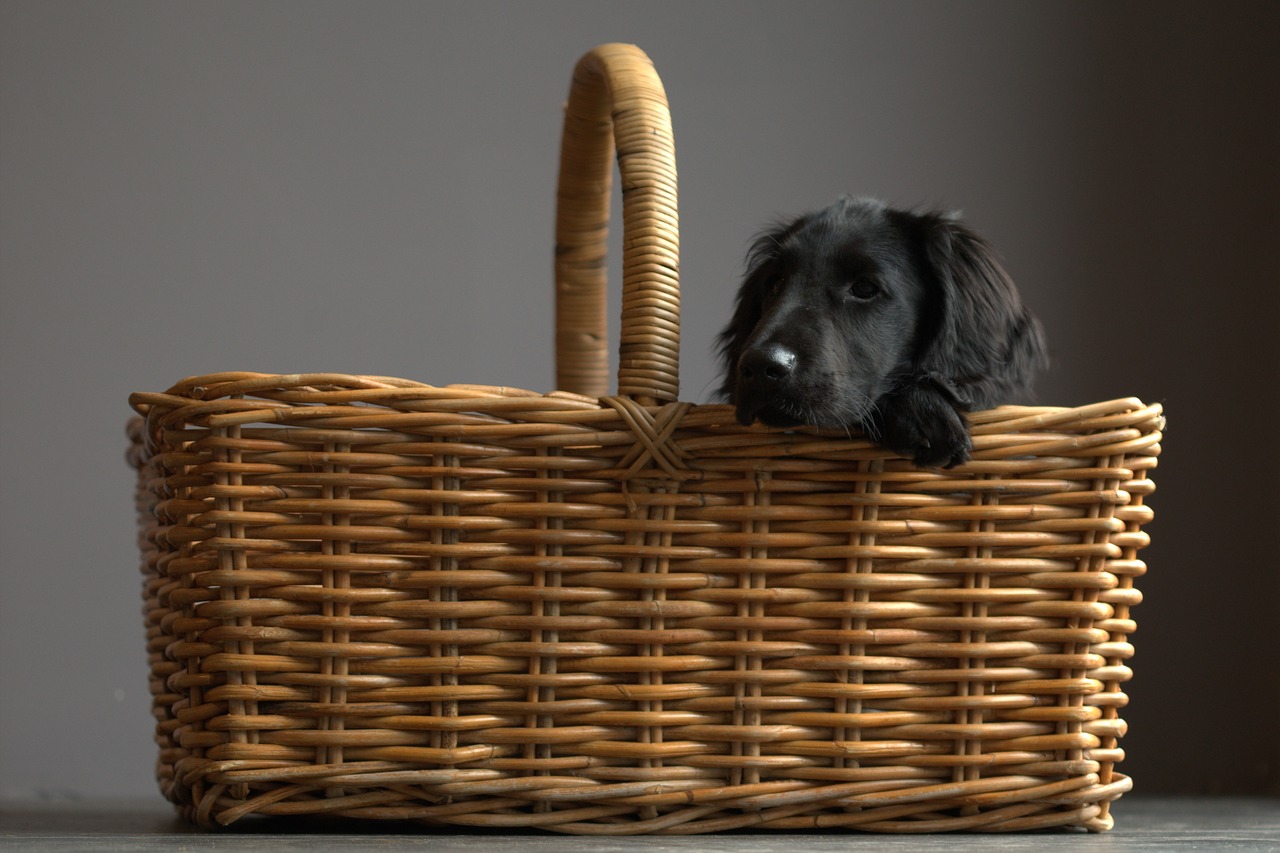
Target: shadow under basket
<point>463,605</point>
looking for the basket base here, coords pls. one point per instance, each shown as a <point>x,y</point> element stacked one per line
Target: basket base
<point>396,808</point>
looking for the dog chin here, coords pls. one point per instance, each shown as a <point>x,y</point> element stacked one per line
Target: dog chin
<point>767,415</point>
<point>785,413</point>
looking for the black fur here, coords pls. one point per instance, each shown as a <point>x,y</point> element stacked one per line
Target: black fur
<point>894,322</point>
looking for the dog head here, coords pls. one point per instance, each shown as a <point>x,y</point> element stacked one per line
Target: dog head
<point>842,306</point>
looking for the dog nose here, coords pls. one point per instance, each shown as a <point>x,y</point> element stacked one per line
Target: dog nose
<point>766,365</point>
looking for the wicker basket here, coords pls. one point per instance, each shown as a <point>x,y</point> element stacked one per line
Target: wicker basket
<point>625,614</point>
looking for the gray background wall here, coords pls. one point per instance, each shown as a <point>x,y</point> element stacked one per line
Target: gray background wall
<point>367,188</point>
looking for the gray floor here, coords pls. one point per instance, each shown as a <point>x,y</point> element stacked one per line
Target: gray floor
<point>1142,823</point>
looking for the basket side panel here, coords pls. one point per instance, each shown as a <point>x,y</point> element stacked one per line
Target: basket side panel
<point>478,606</point>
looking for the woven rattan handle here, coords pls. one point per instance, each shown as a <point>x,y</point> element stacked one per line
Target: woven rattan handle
<point>617,101</point>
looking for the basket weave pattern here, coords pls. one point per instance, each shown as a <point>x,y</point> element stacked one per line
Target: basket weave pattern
<point>604,615</point>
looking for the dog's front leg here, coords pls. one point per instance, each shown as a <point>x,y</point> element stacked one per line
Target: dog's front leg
<point>921,420</point>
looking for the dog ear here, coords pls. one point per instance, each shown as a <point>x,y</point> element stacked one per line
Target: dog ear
<point>762,270</point>
<point>977,338</point>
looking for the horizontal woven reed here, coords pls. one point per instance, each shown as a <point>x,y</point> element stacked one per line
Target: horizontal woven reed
<point>480,606</point>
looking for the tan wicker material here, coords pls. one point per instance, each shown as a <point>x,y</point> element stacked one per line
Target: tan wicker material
<point>488,607</point>
<point>617,100</point>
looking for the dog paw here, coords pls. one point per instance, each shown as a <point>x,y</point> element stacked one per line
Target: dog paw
<point>943,450</point>
<point>925,429</point>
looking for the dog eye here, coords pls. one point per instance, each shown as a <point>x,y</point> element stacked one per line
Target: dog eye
<point>863,289</point>
<point>774,285</point>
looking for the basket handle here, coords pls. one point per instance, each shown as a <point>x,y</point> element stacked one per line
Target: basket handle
<point>617,101</point>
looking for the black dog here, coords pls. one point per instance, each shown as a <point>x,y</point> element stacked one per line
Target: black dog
<point>890,321</point>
